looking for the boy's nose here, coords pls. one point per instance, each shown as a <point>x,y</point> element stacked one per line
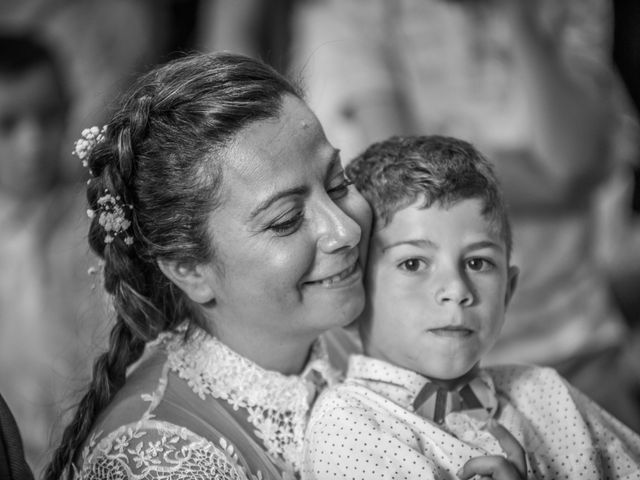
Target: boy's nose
<point>454,290</point>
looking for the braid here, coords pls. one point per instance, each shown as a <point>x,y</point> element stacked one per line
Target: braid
<point>124,279</point>
<point>159,158</point>
<point>108,377</point>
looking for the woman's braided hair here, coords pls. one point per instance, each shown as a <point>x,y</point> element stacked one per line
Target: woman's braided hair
<point>161,156</point>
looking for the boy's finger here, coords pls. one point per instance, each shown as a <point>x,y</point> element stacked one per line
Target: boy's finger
<point>495,467</point>
<point>511,446</point>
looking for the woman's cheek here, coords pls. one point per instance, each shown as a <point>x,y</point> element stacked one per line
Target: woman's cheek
<point>359,210</point>
<point>294,259</point>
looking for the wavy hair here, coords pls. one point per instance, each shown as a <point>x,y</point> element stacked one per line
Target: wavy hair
<point>161,155</point>
<point>401,170</point>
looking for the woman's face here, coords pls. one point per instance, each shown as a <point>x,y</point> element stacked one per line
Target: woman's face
<point>289,237</point>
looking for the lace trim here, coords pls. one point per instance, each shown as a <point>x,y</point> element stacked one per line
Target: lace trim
<point>277,405</point>
<point>159,450</point>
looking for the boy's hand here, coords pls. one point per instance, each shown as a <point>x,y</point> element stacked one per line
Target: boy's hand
<point>497,467</point>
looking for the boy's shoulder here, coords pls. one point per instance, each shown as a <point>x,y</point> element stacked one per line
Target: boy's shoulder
<point>345,403</point>
<point>519,374</point>
<point>352,399</point>
<point>349,393</point>
<point>521,383</point>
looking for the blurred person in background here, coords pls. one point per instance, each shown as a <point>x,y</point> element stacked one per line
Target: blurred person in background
<point>50,322</point>
<point>625,273</point>
<point>532,84</point>
<point>102,46</point>
<point>45,299</point>
<point>252,27</point>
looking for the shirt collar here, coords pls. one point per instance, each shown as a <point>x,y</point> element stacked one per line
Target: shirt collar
<point>402,386</point>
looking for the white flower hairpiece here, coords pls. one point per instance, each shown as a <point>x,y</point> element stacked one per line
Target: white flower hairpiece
<point>90,138</point>
<point>112,217</point>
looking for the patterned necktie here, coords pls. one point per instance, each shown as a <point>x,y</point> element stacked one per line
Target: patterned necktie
<point>476,397</point>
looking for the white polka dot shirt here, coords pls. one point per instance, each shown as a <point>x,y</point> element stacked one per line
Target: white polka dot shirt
<point>365,428</point>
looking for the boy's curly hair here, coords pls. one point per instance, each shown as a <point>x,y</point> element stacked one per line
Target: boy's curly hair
<point>401,170</point>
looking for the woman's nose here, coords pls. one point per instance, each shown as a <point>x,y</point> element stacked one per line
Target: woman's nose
<point>337,230</point>
<point>454,289</point>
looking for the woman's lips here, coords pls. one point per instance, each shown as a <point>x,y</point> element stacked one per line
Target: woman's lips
<point>337,279</point>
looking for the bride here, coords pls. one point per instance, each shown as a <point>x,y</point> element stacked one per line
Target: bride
<point>231,240</point>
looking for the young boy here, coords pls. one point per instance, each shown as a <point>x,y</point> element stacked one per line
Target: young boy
<point>439,279</point>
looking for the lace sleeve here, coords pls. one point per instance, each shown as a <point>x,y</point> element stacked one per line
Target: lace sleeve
<point>160,451</point>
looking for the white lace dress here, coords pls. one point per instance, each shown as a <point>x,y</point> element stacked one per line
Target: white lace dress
<point>198,410</point>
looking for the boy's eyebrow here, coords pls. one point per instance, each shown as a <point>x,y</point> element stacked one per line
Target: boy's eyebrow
<point>485,244</point>
<point>424,243</point>
<point>421,242</point>
<point>335,160</point>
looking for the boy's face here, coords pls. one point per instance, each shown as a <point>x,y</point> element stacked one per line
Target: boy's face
<point>31,125</point>
<point>438,286</point>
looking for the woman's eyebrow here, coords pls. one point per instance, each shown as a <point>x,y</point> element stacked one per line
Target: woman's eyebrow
<point>333,164</point>
<point>262,206</point>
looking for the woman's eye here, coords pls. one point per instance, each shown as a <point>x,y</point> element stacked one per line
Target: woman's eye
<point>413,265</point>
<point>289,226</point>
<point>479,264</point>
<point>341,190</point>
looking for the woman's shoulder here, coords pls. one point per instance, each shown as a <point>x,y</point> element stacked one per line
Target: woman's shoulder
<point>158,449</point>
<point>157,427</point>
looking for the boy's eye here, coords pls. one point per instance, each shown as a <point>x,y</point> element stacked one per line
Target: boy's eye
<point>340,188</point>
<point>478,264</point>
<point>288,226</point>
<point>413,265</point>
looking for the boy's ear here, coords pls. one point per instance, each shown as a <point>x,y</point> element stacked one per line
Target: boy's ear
<point>512,281</point>
<point>196,280</point>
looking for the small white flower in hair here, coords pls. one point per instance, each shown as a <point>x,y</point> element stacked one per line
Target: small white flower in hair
<point>90,138</point>
<point>112,217</point>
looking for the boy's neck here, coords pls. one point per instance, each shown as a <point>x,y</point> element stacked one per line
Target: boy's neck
<point>452,384</point>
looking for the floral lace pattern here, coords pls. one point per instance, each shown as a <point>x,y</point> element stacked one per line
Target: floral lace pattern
<point>157,450</point>
<point>277,405</point>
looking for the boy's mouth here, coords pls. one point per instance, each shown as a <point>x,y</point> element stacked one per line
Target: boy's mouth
<point>451,331</point>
